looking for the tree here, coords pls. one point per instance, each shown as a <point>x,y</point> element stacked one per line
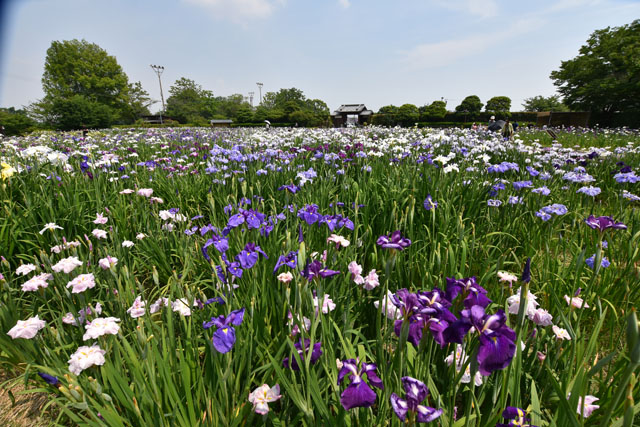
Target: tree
<point>541,103</point>
<point>188,102</point>
<point>498,105</point>
<point>470,105</point>
<point>436,110</point>
<point>605,76</point>
<point>15,122</point>
<point>82,74</point>
<point>138,102</point>
<point>408,114</point>
<point>388,109</point>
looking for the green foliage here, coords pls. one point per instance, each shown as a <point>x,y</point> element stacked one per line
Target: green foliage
<point>542,103</point>
<point>388,109</point>
<point>408,114</point>
<point>499,105</point>
<point>81,74</point>
<point>188,102</point>
<point>435,111</point>
<point>162,370</point>
<point>15,122</point>
<point>470,105</point>
<point>605,76</point>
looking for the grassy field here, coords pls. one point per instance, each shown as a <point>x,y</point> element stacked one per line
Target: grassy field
<point>160,277</point>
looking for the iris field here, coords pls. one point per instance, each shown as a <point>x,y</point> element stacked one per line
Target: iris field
<point>370,276</point>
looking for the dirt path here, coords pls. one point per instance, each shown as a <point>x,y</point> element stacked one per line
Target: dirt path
<point>26,412</point>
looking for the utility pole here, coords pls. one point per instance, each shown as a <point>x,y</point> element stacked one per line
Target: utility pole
<point>260,89</point>
<point>251,98</point>
<point>158,70</point>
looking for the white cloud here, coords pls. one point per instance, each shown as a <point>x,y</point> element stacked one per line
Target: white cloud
<point>345,3</point>
<point>432,55</point>
<point>239,11</point>
<point>480,8</point>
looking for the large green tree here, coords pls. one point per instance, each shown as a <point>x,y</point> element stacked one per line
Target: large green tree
<point>436,110</point>
<point>498,105</point>
<point>470,105</point>
<point>542,103</point>
<point>605,76</point>
<point>188,102</point>
<point>79,74</point>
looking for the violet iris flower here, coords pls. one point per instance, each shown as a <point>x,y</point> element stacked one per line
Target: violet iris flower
<point>291,187</point>
<point>315,268</point>
<point>252,218</point>
<point>472,292</point>
<point>603,222</point>
<point>415,392</point>
<point>302,347</point>
<point>49,379</point>
<point>429,203</point>
<point>310,214</point>
<point>218,242</point>
<point>358,394</point>
<point>394,241</point>
<point>335,222</point>
<point>290,260</point>
<point>249,255</point>
<point>497,340</point>
<point>515,417</point>
<point>225,336</point>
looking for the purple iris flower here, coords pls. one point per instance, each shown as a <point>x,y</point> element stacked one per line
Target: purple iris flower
<point>335,222</point>
<point>556,208</point>
<point>519,185</point>
<point>591,261</point>
<point>249,255</point>
<point>207,228</point>
<point>290,187</point>
<point>252,218</point>
<point>358,394</point>
<point>497,340</point>
<point>218,242</point>
<point>310,214</point>
<point>290,260</point>
<point>423,311</point>
<point>515,417</point>
<point>603,222</point>
<point>415,392</point>
<point>302,347</point>
<point>472,292</point>
<point>49,379</point>
<point>225,336</point>
<point>394,241</point>
<point>315,268</point>
<point>429,203</point>
<point>589,191</point>
<point>526,271</point>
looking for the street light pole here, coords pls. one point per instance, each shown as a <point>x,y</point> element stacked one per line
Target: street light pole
<point>251,98</point>
<point>158,70</point>
<point>260,89</point>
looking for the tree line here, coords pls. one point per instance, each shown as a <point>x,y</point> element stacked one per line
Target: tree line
<point>85,87</point>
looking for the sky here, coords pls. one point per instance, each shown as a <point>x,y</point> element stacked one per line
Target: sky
<point>372,52</point>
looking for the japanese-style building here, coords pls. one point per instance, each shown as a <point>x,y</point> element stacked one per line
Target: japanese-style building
<point>356,114</point>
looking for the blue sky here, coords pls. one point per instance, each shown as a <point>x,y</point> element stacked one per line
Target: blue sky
<point>376,52</point>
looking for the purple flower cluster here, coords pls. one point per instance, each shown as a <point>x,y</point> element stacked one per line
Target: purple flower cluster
<point>394,241</point>
<point>430,311</point>
<point>358,394</point>
<point>415,392</point>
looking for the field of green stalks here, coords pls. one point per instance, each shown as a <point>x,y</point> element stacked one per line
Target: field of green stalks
<point>335,277</point>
